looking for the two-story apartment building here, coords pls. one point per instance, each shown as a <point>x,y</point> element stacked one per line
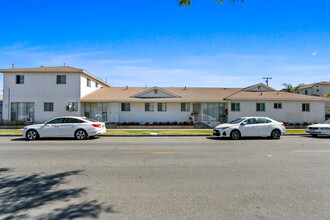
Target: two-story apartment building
<point>318,89</point>
<point>39,94</point>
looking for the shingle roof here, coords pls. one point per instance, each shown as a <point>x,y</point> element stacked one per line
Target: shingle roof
<point>314,84</point>
<point>272,95</point>
<point>188,94</point>
<point>56,69</point>
<point>121,94</point>
<point>1,97</point>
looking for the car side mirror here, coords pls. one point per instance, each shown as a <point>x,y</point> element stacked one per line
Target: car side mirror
<point>243,123</point>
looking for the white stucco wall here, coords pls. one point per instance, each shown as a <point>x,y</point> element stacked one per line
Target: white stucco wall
<point>138,114</point>
<point>290,112</point>
<point>40,88</point>
<point>84,89</point>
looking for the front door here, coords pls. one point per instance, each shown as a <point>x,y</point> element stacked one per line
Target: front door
<point>250,129</point>
<point>51,128</point>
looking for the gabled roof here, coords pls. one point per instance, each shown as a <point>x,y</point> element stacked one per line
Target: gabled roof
<point>56,69</point>
<point>184,94</point>
<point>1,98</point>
<point>256,87</point>
<point>314,84</point>
<point>143,93</point>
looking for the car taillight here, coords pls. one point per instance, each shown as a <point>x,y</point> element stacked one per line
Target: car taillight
<point>283,124</point>
<point>97,125</point>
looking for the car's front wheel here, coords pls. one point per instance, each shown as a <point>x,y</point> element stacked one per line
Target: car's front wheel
<point>235,135</point>
<point>32,135</point>
<point>276,134</point>
<point>80,135</point>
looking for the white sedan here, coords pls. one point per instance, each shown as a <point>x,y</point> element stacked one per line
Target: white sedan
<point>319,129</point>
<point>66,126</point>
<point>250,127</point>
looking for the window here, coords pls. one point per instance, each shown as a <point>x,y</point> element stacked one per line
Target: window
<point>19,79</point>
<point>56,121</point>
<point>72,107</point>
<point>185,107</point>
<point>277,105</point>
<point>48,106</point>
<point>235,107</point>
<point>162,107</point>
<point>96,110</point>
<point>306,92</point>
<point>22,111</point>
<point>155,91</point>
<point>96,85</point>
<point>125,107</point>
<point>263,121</point>
<point>251,121</point>
<point>149,107</point>
<point>72,120</point>
<point>88,82</point>
<point>61,79</point>
<point>261,107</point>
<point>305,107</point>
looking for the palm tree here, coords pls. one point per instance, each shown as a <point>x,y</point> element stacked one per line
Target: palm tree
<point>289,88</point>
<point>187,3</point>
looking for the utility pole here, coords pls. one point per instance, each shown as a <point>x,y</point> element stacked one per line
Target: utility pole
<point>267,78</point>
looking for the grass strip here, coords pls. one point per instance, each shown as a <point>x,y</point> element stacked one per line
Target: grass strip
<point>148,132</point>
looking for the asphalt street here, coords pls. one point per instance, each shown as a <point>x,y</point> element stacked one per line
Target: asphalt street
<point>165,178</point>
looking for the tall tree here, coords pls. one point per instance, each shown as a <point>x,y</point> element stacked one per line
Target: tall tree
<point>187,3</point>
<point>289,88</point>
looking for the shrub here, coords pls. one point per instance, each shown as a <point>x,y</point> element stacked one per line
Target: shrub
<point>305,123</point>
<point>297,123</point>
<point>137,123</point>
<point>180,123</point>
<point>291,124</point>
<point>168,123</point>
<point>155,123</point>
<point>147,123</point>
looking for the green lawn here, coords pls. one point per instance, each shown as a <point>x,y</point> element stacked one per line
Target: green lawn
<point>11,131</point>
<point>160,132</point>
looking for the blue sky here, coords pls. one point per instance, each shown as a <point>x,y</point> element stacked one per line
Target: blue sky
<point>157,43</point>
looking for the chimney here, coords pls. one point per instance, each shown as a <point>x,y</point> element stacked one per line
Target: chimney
<point>185,88</point>
<point>64,65</point>
<point>42,66</point>
<point>126,87</point>
<point>13,66</point>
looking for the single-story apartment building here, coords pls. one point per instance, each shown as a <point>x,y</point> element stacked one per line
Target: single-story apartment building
<point>39,94</point>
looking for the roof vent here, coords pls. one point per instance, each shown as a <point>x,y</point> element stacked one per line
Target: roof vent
<point>13,66</point>
<point>185,88</point>
<point>42,66</point>
<point>126,87</point>
<point>64,65</point>
<point>261,94</point>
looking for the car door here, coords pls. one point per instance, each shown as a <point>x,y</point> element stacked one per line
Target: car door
<point>69,127</point>
<point>51,128</point>
<point>264,126</point>
<point>250,128</point>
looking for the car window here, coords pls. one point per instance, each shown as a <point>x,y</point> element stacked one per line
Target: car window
<point>237,121</point>
<point>251,121</point>
<point>326,122</point>
<point>263,121</point>
<point>73,120</point>
<point>56,121</point>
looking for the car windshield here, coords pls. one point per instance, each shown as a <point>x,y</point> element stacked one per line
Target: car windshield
<point>239,120</point>
<point>91,120</point>
<point>326,122</point>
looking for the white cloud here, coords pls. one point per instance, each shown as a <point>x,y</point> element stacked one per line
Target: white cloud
<point>313,54</point>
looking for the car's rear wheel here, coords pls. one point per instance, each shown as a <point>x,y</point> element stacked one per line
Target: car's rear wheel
<point>80,134</point>
<point>32,135</point>
<point>276,134</point>
<point>235,135</point>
